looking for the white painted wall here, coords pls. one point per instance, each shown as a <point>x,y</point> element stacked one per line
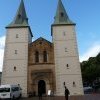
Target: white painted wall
<point>66,52</point>
<point>19,60</point>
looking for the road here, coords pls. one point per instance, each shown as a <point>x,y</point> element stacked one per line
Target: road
<point>85,97</point>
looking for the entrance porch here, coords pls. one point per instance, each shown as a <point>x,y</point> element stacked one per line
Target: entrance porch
<point>41,82</point>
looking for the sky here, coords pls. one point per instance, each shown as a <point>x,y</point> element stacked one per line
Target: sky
<point>85,13</point>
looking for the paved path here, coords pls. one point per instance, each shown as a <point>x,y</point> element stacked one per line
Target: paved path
<point>85,97</point>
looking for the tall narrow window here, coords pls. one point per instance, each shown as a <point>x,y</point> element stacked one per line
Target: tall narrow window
<point>36,56</point>
<point>45,56</point>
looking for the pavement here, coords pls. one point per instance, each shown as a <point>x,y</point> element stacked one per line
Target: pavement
<point>85,97</point>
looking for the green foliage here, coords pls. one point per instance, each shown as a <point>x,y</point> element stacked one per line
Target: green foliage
<point>91,69</point>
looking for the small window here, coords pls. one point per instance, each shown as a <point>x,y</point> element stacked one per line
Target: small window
<point>62,14</point>
<point>17,36</point>
<point>19,16</point>
<point>66,50</point>
<point>67,66</point>
<point>40,43</point>
<point>64,83</point>
<point>16,52</point>
<point>14,68</point>
<point>64,33</point>
<point>74,84</point>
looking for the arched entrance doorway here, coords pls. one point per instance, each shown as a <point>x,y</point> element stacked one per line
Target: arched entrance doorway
<point>41,87</point>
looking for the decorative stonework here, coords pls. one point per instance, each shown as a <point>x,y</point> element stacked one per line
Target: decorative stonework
<point>41,70</point>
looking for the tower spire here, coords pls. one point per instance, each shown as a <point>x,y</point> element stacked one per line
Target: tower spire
<point>61,15</point>
<point>20,18</point>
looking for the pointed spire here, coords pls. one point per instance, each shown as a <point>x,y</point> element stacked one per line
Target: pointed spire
<point>61,15</point>
<point>20,18</point>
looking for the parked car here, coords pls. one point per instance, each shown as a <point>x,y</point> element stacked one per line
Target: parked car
<point>96,85</point>
<point>87,89</point>
<point>10,91</point>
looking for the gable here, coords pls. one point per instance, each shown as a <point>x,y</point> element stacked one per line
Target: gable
<point>41,42</point>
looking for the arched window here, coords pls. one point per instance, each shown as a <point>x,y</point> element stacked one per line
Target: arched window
<point>45,56</point>
<point>36,56</point>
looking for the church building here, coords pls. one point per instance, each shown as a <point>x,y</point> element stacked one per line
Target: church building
<point>42,65</point>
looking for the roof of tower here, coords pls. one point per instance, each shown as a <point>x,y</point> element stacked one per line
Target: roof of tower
<point>20,19</point>
<point>61,15</point>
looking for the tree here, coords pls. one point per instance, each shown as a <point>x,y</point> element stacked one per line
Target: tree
<point>91,69</point>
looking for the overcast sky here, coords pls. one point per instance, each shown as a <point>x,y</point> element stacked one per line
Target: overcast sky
<point>85,13</point>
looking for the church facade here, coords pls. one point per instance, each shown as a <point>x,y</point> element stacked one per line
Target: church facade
<point>41,64</point>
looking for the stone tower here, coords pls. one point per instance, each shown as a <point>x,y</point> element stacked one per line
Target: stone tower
<point>67,66</point>
<point>15,63</point>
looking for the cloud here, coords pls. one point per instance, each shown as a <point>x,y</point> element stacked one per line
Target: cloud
<point>2,44</point>
<point>91,52</point>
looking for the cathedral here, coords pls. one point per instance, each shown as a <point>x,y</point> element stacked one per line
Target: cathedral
<point>41,64</point>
